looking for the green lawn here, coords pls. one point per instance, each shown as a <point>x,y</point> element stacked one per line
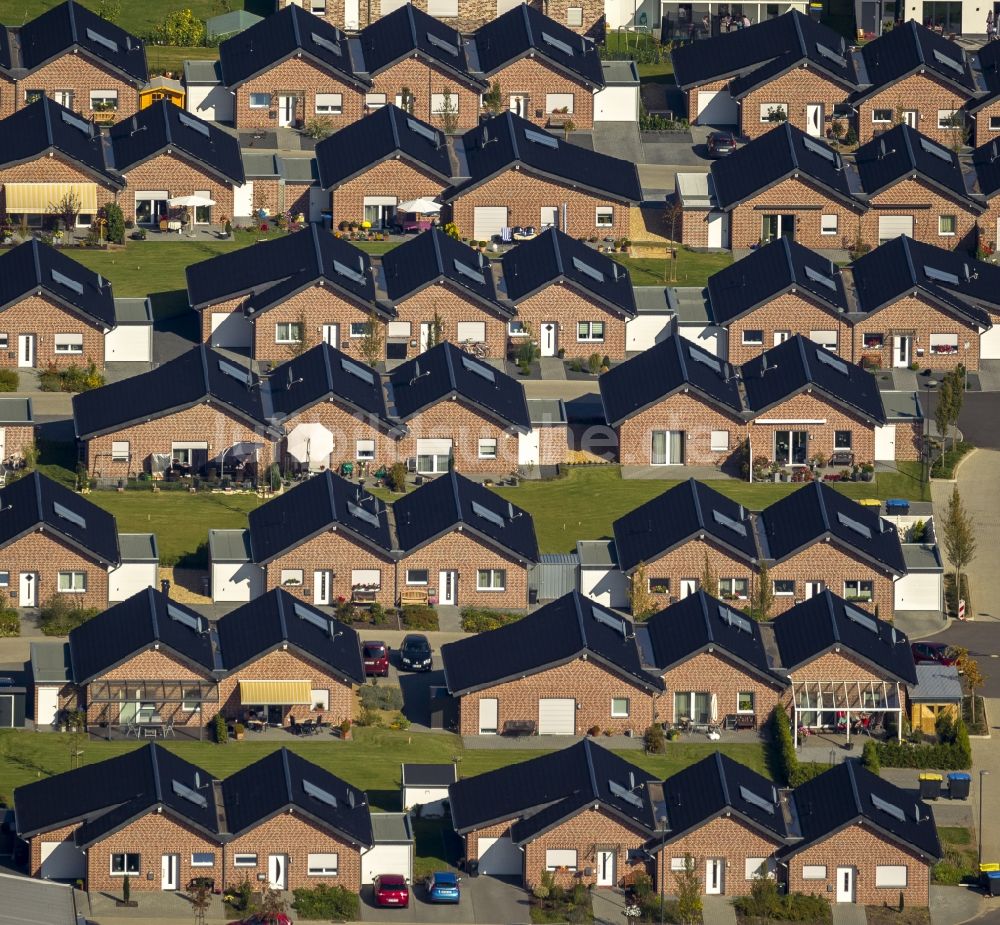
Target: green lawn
<point>161,58</point>
<point>693,268</point>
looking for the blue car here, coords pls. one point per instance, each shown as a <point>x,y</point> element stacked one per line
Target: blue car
<point>442,887</point>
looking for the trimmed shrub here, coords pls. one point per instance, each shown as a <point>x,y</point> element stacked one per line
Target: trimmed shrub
<point>786,766</point>
<point>654,740</point>
<point>952,753</point>
<point>9,380</point>
<point>219,729</point>
<point>869,757</point>
<point>330,903</point>
<point>792,907</point>
<point>482,620</point>
<point>58,616</point>
<point>381,697</point>
<point>419,618</point>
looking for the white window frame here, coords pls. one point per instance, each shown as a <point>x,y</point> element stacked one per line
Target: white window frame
<point>829,223</point>
<point>244,859</point>
<point>881,121</point>
<point>891,876</point>
<point>72,577</point>
<point>398,329</point>
<point>416,582</point>
<point>574,17</point>
<point>4,341</point>
<point>954,225</point>
<point>320,697</point>
<point>488,448</point>
<point>286,336</point>
<point>995,123</point>
<point>496,579</point>
<point>364,449</point>
<point>839,445</point>
<point>375,100</point>
<point>4,579</point>
<point>777,593</point>
<point>859,582</point>
<point>814,872</point>
<point>678,865</point>
<point>203,863</point>
<point>751,867</point>
<point>604,212</point>
<point>371,577</point>
<point>126,870</point>
<point>732,587</point>
<point>471,332</point>
<point>292,577</point>
<point>618,712</point>
<point>361,325</point>
<point>766,107</point>
<point>943,115</point>
<point>189,706</point>
<point>104,96</point>
<point>437,103</point>
<point>442,9</point>
<point>120,450</point>
<point>585,332</point>
<point>823,339</point>
<point>520,331</point>
<point>560,857</point>
<point>556,101</point>
<point>323,864</point>
<point>748,341</point>
<point>659,579</point>
<point>68,344</point>
<point>329,104</point>
<point>258,105</point>
<point>753,703</point>
<point>719,441</point>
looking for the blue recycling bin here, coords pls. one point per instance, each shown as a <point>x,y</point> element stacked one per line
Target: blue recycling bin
<point>991,882</point>
<point>958,785</point>
<point>897,506</point>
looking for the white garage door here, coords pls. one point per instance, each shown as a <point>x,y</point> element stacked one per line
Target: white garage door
<point>131,578</point>
<point>243,200</point>
<point>557,716</point>
<point>918,591</point>
<point>885,443</point>
<point>212,103</point>
<point>989,344</point>
<point>892,226</point>
<point>488,221</point>
<point>62,860</point>
<point>717,107</point>
<point>616,104</point>
<point>230,329</point>
<point>129,343</point>
<point>386,859</point>
<point>48,706</point>
<point>718,229</point>
<point>499,857</point>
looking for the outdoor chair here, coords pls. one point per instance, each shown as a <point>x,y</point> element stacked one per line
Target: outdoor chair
<point>168,727</point>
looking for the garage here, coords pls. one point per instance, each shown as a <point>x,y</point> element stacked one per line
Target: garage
<point>618,101</point>
<point>232,330</point>
<point>139,568</point>
<point>132,340</point>
<point>499,857</point>
<point>989,344</point>
<point>62,860</point>
<point>488,221</point>
<point>718,229</point>
<point>392,851</point>
<point>557,716</point>
<point>235,579</point>
<point>717,107</point>
<point>892,226</point>
<point>426,786</point>
<point>922,587</point>
<point>206,96</point>
<point>11,705</point>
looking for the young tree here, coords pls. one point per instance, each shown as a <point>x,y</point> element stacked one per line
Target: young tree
<point>639,597</point>
<point>372,343</point>
<point>959,538</point>
<point>116,223</point>
<point>674,217</point>
<point>449,113</point>
<point>435,333</point>
<point>67,208</point>
<point>762,599</point>
<point>971,676</point>
<point>688,893</point>
<point>493,99</point>
<point>764,896</point>
<point>297,347</point>
<point>709,581</point>
<point>957,399</point>
<point>942,410</point>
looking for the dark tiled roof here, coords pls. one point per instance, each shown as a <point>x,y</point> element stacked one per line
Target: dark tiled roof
<point>554,257</point>
<point>506,141</point>
<point>429,775</point>
<point>32,266</point>
<point>37,501</point>
<point>270,621</point>
<point>674,363</point>
<point>556,634</point>
<point>315,506</point>
<point>799,364</point>
<point>524,31</point>
<point>826,621</point>
<point>986,162</point>
<point>377,137</point>
<point>146,619</point>
<point>769,271</point>
<point>452,501</point>
<point>165,126</point>
<point>815,511</point>
<point>444,372</point>
<point>684,511</point>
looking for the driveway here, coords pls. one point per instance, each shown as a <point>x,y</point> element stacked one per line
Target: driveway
<point>485,901</point>
<point>979,416</point>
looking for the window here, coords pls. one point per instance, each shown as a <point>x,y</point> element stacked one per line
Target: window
<point>773,112</point>
<point>754,868</point>
<point>784,587</point>
<point>33,96</point>
<point>814,872</point>
<point>288,332</point>
<point>590,331</point>
<point>374,100</point>
<point>874,341</point>
<point>417,576</point>
<point>433,455</point>
<point>753,338</point>
<point>944,343</point>
<point>189,453</point>
<point>619,707</point>
<point>364,449</point>
<point>719,441</point>
<point>842,439</point>
<point>366,578</point>
<point>331,104</point>
<point>574,17</point>
<point>517,329</point>
<point>125,863</point>
<point>487,449</point>
<point>244,860</point>
<point>322,865</point>
<point>190,699</point>
<point>359,329</point>
<point>260,100</point>
<point>560,857</point>
<point>995,123</point>
<point>659,585</point>
<point>318,7</point>
<point>471,332</point>
<point>72,582</point>
<point>4,579</point>
<point>745,702</point>
<point>119,451</point>
<point>890,875</point>
<point>605,216</point>
<point>63,98</point>
<point>442,9</point>
<point>828,224</point>
<point>559,102</point>
<point>826,339</point>
<point>203,859</point>
<point>438,106</point>
<point>491,579</point>
<point>946,225</point>
<point>291,577</point>
<point>69,343</point>
<point>104,100</point>
<point>858,590</point>
<point>733,588</point>
<point>949,118</point>
<point>4,341</point>
<point>320,698</point>
<point>400,329</point>
<point>678,864</point>
<point>881,116</point>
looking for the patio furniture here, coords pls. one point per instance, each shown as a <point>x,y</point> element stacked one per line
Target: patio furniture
<point>175,225</point>
<point>842,458</point>
<point>168,727</point>
<point>741,722</point>
<point>364,595</point>
<point>412,597</point>
<point>519,727</point>
<point>506,235</point>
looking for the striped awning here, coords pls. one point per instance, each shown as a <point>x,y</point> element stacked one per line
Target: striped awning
<point>275,693</point>
<point>39,198</point>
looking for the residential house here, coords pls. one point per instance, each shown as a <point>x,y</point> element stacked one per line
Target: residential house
<point>588,676</point>
<point>582,814</point>
<point>571,299</point>
<point>166,153</point>
<point>458,412</point>
<point>983,113</point>
<point>17,428</point>
<point>517,173</point>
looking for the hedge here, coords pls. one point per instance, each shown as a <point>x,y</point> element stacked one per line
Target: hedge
<point>482,620</point>
<point>59,616</point>
<point>944,756</point>
<point>419,618</point>
<point>786,764</point>
<point>330,903</point>
<point>381,697</point>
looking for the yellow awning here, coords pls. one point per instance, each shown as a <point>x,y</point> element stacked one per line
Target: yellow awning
<point>275,693</point>
<point>39,198</point>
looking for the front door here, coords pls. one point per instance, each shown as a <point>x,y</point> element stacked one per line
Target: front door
<point>425,335</point>
<point>351,17</point>
<point>25,349</point>
<point>169,872</point>
<point>321,586</point>
<point>902,347</point>
<point>549,337</point>
<point>813,589</point>
<point>845,884</point>
<point>277,871</point>
<point>605,868</point>
<point>713,875</point>
<point>667,448</point>
<point>910,118</point>
<point>688,586</point>
<point>791,447</point>
<point>814,119</point>
<point>447,587</point>
<point>286,109</point>
<point>28,590</point>
<point>519,104</point>
<point>331,335</point>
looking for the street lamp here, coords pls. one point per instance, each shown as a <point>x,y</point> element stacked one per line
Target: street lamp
<point>663,842</point>
<point>982,773</point>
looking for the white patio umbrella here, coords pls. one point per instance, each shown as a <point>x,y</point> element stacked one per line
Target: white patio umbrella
<point>308,442</point>
<point>424,206</point>
<point>191,201</point>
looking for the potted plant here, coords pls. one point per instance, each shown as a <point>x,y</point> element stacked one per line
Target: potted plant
<point>238,731</point>
<point>345,730</point>
<point>867,472</point>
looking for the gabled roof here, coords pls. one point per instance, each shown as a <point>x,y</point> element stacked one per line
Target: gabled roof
<point>380,136</point>
<point>409,32</point>
<point>34,266</point>
<point>674,364</point>
<point>817,511</point>
<point>164,126</point>
<point>554,257</point>
<point>445,372</point>
<point>428,775</point>
<point>544,791</point>
<point>567,629</point>
<point>37,502</point>
<point>275,619</point>
<point>196,377</point>
<point>146,620</point>
<point>282,781</point>
<point>986,163</point>
<point>717,786</point>
<point>44,127</point>
<point>453,502</point>
<point>902,153</point>
<point>699,622</point>
<point>949,278</point>
<point>71,25</point>
<point>688,510</point>
<point>782,266</point>
<point>281,35</point>
<point>317,505</point>
<point>507,141</point>
<point>827,622</point>
<point>781,153</point>
<point>525,32</point>
<point>800,364</point>
<point>848,794</point>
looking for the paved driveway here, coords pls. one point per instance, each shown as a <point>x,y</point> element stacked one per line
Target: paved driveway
<point>979,416</point>
<point>485,901</point>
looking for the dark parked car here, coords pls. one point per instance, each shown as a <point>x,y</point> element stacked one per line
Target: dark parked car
<point>721,143</point>
<point>933,652</point>
<point>415,653</point>
<point>442,887</point>
<point>376,658</point>
<point>391,890</point>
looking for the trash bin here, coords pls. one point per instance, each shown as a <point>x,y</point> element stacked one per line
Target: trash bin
<point>897,506</point>
<point>990,880</point>
<point>958,785</point>
<point>930,786</point>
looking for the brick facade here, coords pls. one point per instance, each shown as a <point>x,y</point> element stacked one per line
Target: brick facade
<point>926,205</point>
<point>692,96</point>
<point>982,132</point>
<point>55,169</point>
<point>15,438</point>
<point>424,79</point>
<point>533,80</point>
<point>465,427</point>
<point>924,93</point>
<point>80,74</point>
<point>395,177</point>
<point>687,563</point>
<point>452,306</point>
<point>45,555</point>
<point>179,177</point>
<point>347,429</point>
<point>45,318</point>
<point>795,90</point>
<point>566,305</point>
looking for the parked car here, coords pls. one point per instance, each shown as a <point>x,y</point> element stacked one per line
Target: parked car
<point>279,919</point>
<point>415,653</point>
<point>721,143</point>
<point>442,887</point>
<point>411,223</point>
<point>391,890</point>
<point>376,658</point>
<point>938,652</point>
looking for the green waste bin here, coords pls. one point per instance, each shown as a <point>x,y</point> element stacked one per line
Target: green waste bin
<point>930,786</point>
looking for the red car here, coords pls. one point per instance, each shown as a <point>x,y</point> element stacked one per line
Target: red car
<point>933,652</point>
<point>279,919</point>
<point>391,890</point>
<point>376,658</point>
